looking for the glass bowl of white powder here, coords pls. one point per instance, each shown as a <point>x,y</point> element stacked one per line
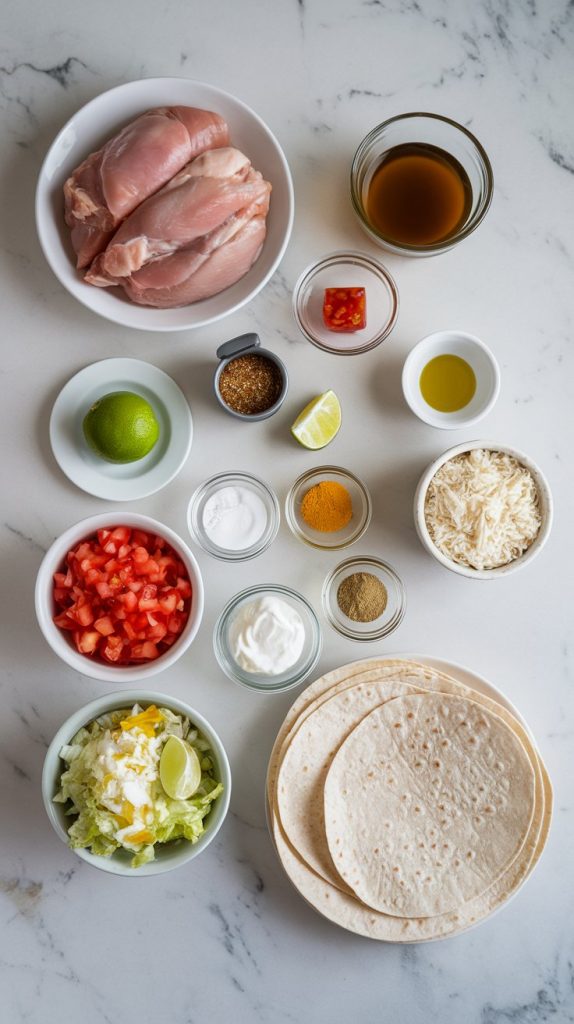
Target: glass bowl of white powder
<point>233,516</point>
<point>267,638</point>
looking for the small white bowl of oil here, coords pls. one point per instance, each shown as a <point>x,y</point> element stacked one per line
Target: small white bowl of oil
<point>450,379</point>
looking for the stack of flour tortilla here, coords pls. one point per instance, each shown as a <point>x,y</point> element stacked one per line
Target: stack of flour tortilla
<point>405,805</point>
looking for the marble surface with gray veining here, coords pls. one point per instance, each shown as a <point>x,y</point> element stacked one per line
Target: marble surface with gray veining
<point>226,938</point>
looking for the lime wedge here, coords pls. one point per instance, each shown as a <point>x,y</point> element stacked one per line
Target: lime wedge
<point>319,421</point>
<point>179,769</point>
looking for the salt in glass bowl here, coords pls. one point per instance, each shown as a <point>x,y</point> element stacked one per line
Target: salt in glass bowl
<point>332,540</point>
<point>393,613</point>
<point>210,487</point>
<point>260,681</point>
<point>168,855</point>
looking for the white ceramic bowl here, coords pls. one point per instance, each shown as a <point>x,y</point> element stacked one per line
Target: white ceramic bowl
<point>480,359</point>
<point>546,508</point>
<point>168,855</point>
<point>59,640</point>
<point>90,127</point>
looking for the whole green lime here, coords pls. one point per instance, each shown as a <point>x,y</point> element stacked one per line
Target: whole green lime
<point>121,427</point>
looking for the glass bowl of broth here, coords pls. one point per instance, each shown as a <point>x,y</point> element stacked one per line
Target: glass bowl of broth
<point>420,183</point>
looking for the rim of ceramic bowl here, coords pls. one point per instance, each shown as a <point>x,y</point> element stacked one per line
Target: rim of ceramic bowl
<point>247,679</point>
<point>546,509</point>
<point>431,417</point>
<point>54,559</point>
<point>466,230</point>
<point>227,479</point>
<point>53,768</point>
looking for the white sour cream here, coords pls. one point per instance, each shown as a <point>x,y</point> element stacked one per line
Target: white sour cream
<point>266,636</point>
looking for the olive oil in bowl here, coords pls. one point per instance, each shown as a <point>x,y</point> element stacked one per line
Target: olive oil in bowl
<point>418,195</point>
<point>447,383</point>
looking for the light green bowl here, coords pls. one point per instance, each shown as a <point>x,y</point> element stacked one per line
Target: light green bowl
<point>168,855</point>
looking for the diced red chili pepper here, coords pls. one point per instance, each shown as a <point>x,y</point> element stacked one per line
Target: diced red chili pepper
<point>345,309</point>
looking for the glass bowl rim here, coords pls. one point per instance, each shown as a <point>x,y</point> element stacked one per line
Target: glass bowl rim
<point>372,264</point>
<point>471,225</point>
<point>308,475</point>
<point>376,633</point>
<point>244,554</point>
<point>237,675</point>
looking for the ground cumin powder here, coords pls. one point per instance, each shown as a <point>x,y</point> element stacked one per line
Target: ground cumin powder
<point>362,597</point>
<point>327,506</point>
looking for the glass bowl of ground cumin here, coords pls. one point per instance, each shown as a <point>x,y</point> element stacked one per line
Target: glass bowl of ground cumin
<point>328,508</point>
<point>364,598</point>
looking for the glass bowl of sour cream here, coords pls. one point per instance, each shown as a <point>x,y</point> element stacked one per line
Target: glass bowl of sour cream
<point>267,638</point>
<point>233,516</point>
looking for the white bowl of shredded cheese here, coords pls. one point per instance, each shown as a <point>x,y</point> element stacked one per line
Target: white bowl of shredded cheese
<point>483,509</point>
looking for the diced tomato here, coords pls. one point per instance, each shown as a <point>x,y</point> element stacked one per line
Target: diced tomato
<point>168,604</point>
<point>88,641</point>
<point>145,652</point>
<point>345,309</point>
<point>124,595</point>
<point>104,625</point>
<point>62,579</point>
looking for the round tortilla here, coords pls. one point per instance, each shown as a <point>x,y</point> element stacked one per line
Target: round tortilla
<point>307,758</point>
<point>427,802</point>
<point>368,670</point>
<point>347,912</point>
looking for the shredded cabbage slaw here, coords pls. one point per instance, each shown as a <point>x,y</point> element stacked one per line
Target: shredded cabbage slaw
<point>113,787</point>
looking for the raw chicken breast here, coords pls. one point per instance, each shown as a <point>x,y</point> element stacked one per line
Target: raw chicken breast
<point>147,153</point>
<point>197,236</point>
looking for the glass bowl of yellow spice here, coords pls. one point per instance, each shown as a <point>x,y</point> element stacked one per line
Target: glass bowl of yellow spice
<point>328,508</point>
<point>364,598</point>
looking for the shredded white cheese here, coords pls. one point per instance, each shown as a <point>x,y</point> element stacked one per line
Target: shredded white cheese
<point>482,509</point>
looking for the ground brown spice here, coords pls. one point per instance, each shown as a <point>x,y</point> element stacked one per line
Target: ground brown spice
<point>250,384</point>
<point>362,597</point>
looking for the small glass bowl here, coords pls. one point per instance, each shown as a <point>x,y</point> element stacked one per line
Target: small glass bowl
<point>258,681</point>
<point>214,484</point>
<point>396,599</point>
<point>437,131</point>
<point>346,270</point>
<point>336,539</point>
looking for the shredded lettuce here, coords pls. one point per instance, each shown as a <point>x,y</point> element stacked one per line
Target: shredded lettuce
<point>82,784</point>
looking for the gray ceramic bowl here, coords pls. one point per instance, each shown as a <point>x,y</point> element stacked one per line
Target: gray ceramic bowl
<point>169,855</point>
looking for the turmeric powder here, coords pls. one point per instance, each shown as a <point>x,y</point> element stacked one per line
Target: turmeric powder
<point>327,506</point>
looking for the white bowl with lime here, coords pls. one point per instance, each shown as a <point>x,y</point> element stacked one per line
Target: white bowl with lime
<point>163,795</point>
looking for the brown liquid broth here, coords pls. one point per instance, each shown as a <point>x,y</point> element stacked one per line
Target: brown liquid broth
<point>418,195</point>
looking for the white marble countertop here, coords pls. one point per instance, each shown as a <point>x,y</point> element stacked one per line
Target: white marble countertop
<point>226,938</point>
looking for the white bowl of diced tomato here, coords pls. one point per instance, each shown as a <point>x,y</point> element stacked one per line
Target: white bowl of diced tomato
<point>119,597</point>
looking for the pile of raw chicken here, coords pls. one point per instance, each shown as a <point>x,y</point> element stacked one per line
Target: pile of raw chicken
<point>167,209</point>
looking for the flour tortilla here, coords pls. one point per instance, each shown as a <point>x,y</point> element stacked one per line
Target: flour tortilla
<point>307,758</point>
<point>347,912</point>
<point>427,802</point>
<point>393,671</point>
<point>368,670</point>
